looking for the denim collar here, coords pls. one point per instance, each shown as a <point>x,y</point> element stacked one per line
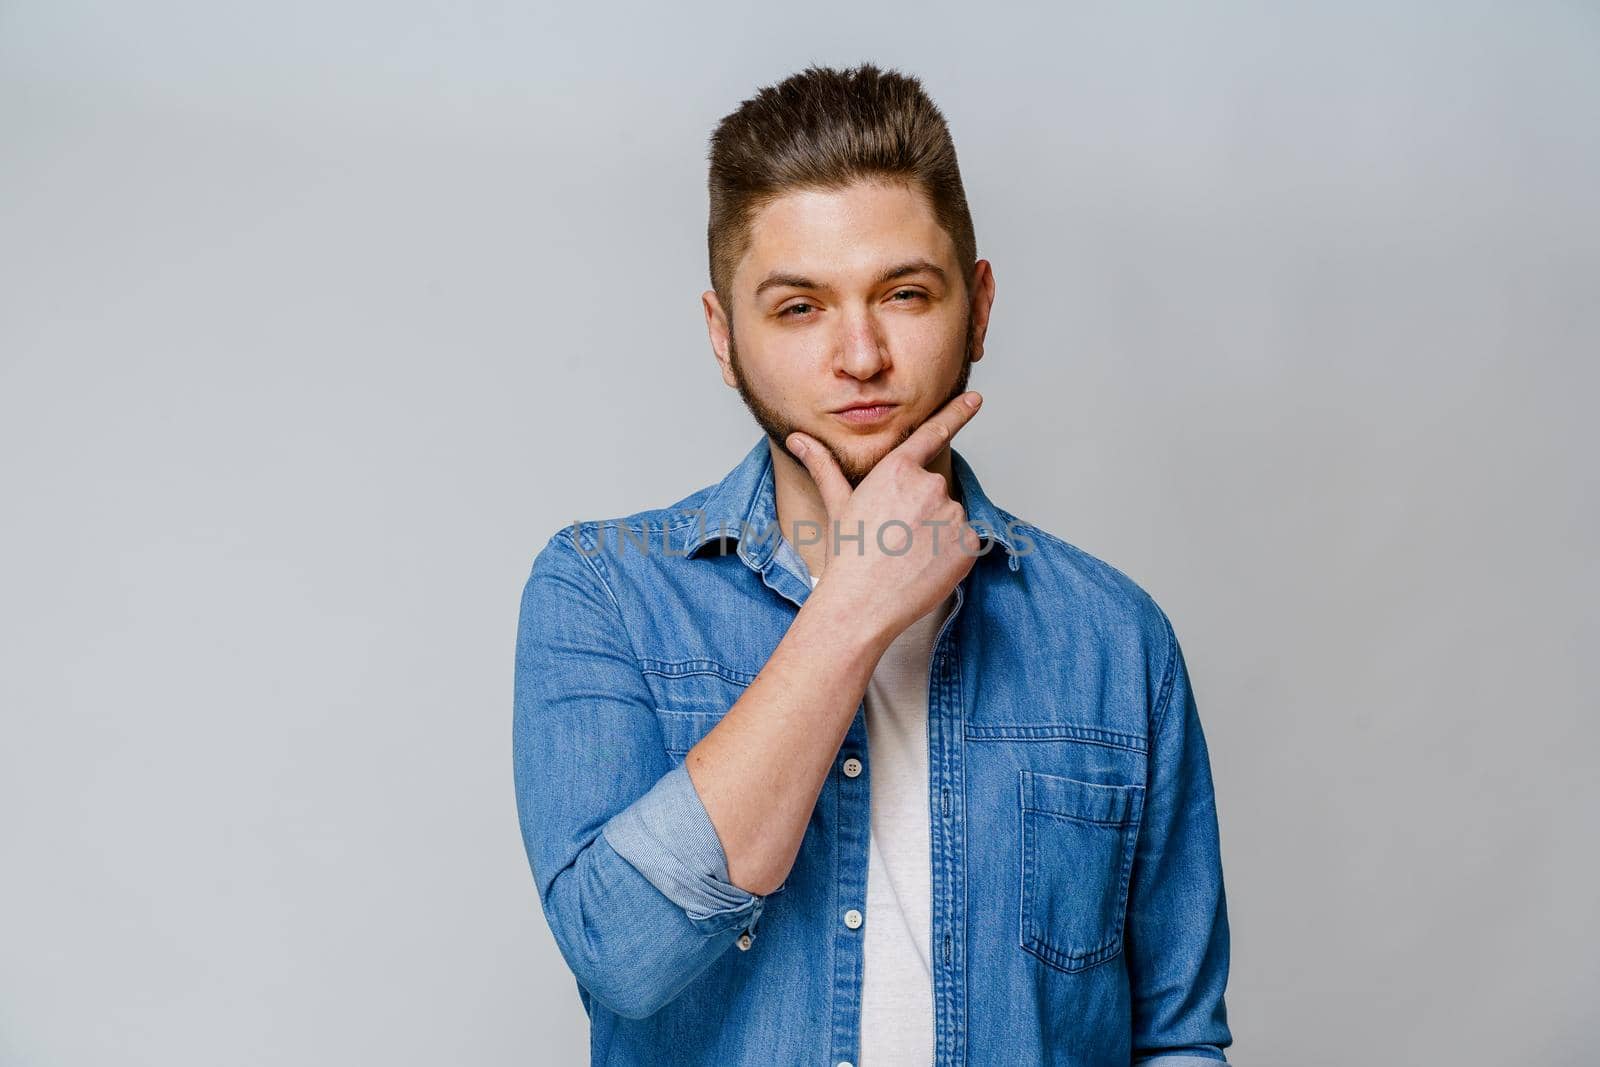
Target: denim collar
<point>745,502</point>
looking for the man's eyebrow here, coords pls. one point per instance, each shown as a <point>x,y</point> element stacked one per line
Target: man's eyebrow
<point>797,281</point>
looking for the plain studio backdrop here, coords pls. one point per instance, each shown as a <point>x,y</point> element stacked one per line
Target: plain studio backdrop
<point>318,319</point>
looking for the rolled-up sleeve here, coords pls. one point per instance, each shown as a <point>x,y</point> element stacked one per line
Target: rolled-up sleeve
<point>1177,923</point>
<point>631,875</point>
<point>667,834</point>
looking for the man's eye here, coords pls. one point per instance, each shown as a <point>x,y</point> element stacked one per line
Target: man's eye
<point>911,293</point>
<point>791,307</point>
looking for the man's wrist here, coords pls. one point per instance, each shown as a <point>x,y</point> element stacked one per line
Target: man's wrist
<point>852,624</point>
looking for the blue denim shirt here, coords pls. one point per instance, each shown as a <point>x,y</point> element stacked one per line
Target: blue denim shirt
<point>1078,915</point>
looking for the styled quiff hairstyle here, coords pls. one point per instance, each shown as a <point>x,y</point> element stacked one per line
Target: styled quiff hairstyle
<point>825,129</point>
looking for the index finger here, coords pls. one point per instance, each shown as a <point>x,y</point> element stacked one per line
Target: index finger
<point>925,442</point>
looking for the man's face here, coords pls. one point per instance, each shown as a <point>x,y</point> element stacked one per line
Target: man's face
<point>819,324</point>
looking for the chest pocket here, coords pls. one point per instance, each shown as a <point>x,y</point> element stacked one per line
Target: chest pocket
<point>1077,852</point>
<point>692,696</point>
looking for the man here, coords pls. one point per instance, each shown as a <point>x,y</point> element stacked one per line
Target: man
<point>836,761</point>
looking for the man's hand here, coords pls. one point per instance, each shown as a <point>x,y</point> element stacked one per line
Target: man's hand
<point>915,545</point>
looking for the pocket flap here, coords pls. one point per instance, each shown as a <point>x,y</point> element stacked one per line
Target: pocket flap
<point>1086,801</point>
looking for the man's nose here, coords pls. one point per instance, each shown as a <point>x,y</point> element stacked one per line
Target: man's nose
<point>863,351</point>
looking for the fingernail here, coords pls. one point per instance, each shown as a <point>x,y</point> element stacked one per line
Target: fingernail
<point>973,400</point>
<point>797,446</point>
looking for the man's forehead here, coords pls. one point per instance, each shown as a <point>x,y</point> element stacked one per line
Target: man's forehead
<point>842,235</point>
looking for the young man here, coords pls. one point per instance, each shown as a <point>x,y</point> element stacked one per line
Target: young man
<point>836,761</point>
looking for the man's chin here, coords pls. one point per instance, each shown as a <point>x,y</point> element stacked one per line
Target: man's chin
<point>857,458</point>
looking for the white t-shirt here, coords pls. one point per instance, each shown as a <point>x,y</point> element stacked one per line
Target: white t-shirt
<point>897,973</point>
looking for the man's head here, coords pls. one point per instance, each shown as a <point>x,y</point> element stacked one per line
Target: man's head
<point>843,262</point>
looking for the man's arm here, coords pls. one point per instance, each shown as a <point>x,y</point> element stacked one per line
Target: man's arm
<point>1177,924</point>
<point>760,769</point>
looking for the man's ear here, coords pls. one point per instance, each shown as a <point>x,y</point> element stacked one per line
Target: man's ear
<point>720,331</point>
<point>982,301</point>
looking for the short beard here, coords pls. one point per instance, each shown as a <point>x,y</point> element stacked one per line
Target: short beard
<point>778,428</point>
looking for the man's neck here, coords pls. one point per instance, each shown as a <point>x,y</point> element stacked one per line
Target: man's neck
<point>801,513</point>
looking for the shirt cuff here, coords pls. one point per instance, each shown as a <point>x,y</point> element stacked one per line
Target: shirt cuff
<point>668,836</point>
<point>1180,1059</point>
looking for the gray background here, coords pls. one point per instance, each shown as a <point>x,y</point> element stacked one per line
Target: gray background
<point>317,319</point>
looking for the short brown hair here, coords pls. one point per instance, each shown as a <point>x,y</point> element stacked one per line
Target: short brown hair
<point>824,129</point>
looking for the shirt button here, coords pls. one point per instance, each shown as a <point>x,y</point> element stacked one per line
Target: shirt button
<point>744,941</point>
<point>852,767</point>
<point>852,918</point>
<point>845,1063</point>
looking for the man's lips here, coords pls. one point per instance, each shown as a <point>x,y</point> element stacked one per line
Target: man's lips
<point>866,412</point>
<point>872,403</point>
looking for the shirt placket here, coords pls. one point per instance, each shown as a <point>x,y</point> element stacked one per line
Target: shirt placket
<point>852,827</point>
<point>948,931</point>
